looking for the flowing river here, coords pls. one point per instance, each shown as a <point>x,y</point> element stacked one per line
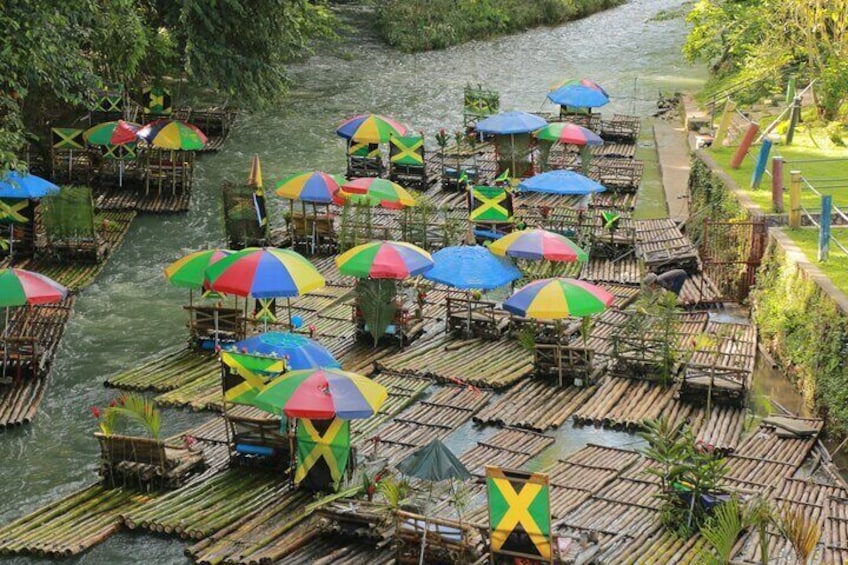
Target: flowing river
<point>130,312</point>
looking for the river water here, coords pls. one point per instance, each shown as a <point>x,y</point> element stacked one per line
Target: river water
<point>130,312</point>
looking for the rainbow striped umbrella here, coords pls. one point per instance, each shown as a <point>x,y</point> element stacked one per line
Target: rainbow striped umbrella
<point>538,244</point>
<point>384,260</point>
<point>554,299</point>
<point>190,271</point>
<point>579,93</point>
<point>370,128</point>
<point>313,186</point>
<point>266,272</point>
<point>19,288</point>
<point>173,134</point>
<point>566,132</point>
<point>375,191</point>
<point>117,132</point>
<point>322,394</point>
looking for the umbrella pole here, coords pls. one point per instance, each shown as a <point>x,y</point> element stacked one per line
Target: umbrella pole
<point>12,242</point>
<point>5,342</point>
<point>288,307</point>
<point>120,173</point>
<point>424,533</point>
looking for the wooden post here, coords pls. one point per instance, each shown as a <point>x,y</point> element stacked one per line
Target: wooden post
<point>794,117</point>
<point>777,184</point>
<point>747,140</point>
<point>794,199</point>
<point>760,167</point>
<point>724,124</point>
<point>790,90</point>
<point>824,227</point>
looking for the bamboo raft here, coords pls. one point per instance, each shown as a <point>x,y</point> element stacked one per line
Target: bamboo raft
<point>34,335</point>
<point>199,510</point>
<point>495,364</point>
<point>510,448</point>
<point>436,417</point>
<point>215,122</point>
<point>166,372</point>
<point>725,368</point>
<point>625,270</point>
<point>76,276</point>
<point>259,536</point>
<point>662,246</point>
<point>71,525</point>
<point>124,199</point>
<point>534,405</point>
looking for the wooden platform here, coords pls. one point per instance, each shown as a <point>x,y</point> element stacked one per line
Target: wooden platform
<point>166,202</point>
<point>534,405</point>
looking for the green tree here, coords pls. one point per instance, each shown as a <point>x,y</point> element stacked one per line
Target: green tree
<point>57,55</point>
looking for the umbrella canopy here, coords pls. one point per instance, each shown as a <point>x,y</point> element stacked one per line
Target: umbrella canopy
<point>434,462</point>
<point>579,93</point>
<point>321,394</point>
<point>538,244</point>
<point>299,351</point>
<point>173,134</point>
<point>554,299</point>
<point>19,287</point>
<point>17,185</point>
<point>266,272</point>
<point>370,128</point>
<point>117,132</point>
<point>511,122</point>
<point>376,191</point>
<point>568,133</point>
<point>471,267</point>
<point>313,186</point>
<point>190,271</point>
<point>384,260</point>
<point>561,182</point>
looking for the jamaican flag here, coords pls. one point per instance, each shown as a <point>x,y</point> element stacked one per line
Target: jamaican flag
<point>490,204</point>
<point>323,448</point>
<point>519,513</point>
<point>12,211</point>
<point>252,373</point>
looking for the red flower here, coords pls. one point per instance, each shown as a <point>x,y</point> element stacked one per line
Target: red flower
<point>95,411</point>
<point>113,403</point>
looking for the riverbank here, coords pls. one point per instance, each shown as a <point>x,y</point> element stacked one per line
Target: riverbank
<point>801,314</point>
<point>422,25</point>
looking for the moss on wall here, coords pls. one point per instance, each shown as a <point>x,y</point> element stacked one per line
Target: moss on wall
<point>807,333</point>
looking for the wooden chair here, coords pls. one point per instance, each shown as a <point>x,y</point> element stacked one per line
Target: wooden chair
<point>149,462</point>
<point>257,441</point>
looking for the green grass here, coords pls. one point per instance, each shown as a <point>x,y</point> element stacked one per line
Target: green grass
<point>836,267</point>
<point>802,149</point>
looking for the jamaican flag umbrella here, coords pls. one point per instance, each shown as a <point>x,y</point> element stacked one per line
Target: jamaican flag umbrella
<point>173,134</point>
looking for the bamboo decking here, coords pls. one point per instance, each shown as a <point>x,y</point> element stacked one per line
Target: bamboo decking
<point>71,525</point>
<point>535,405</point>
<point>156,202</point>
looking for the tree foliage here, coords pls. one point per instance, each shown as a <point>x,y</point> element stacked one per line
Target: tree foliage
<point>57,55</point>
<point>761,39</point>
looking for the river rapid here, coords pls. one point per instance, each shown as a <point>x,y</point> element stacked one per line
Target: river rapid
<point>130,312</point>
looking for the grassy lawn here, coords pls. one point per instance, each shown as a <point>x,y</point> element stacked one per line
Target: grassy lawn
<point>802,150</point>
<point>836,267</point>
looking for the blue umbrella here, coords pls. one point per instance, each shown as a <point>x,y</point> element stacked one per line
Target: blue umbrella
<point>561,182</point>
<point>470,267</point>
<point>579,94</point>
<point>508,123</point>
<point>301,352</point>
<point>16,185</point>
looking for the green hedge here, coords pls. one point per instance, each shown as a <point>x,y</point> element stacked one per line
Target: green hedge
<point>421,25</point>
<point>807,333</point>
<point>709,198</point>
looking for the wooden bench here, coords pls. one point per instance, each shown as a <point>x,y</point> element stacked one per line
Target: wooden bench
<point>150,462</point>
<point>313,232</point>
<point>202,323</point>
<point>257,441</point>
<point>482,321</point>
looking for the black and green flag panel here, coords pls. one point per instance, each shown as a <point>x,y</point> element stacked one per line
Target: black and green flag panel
<point>323,450</point>
<point>519,513</point>
<point>13,211</point>
<point>156,100</point>
<point>67,138</point>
